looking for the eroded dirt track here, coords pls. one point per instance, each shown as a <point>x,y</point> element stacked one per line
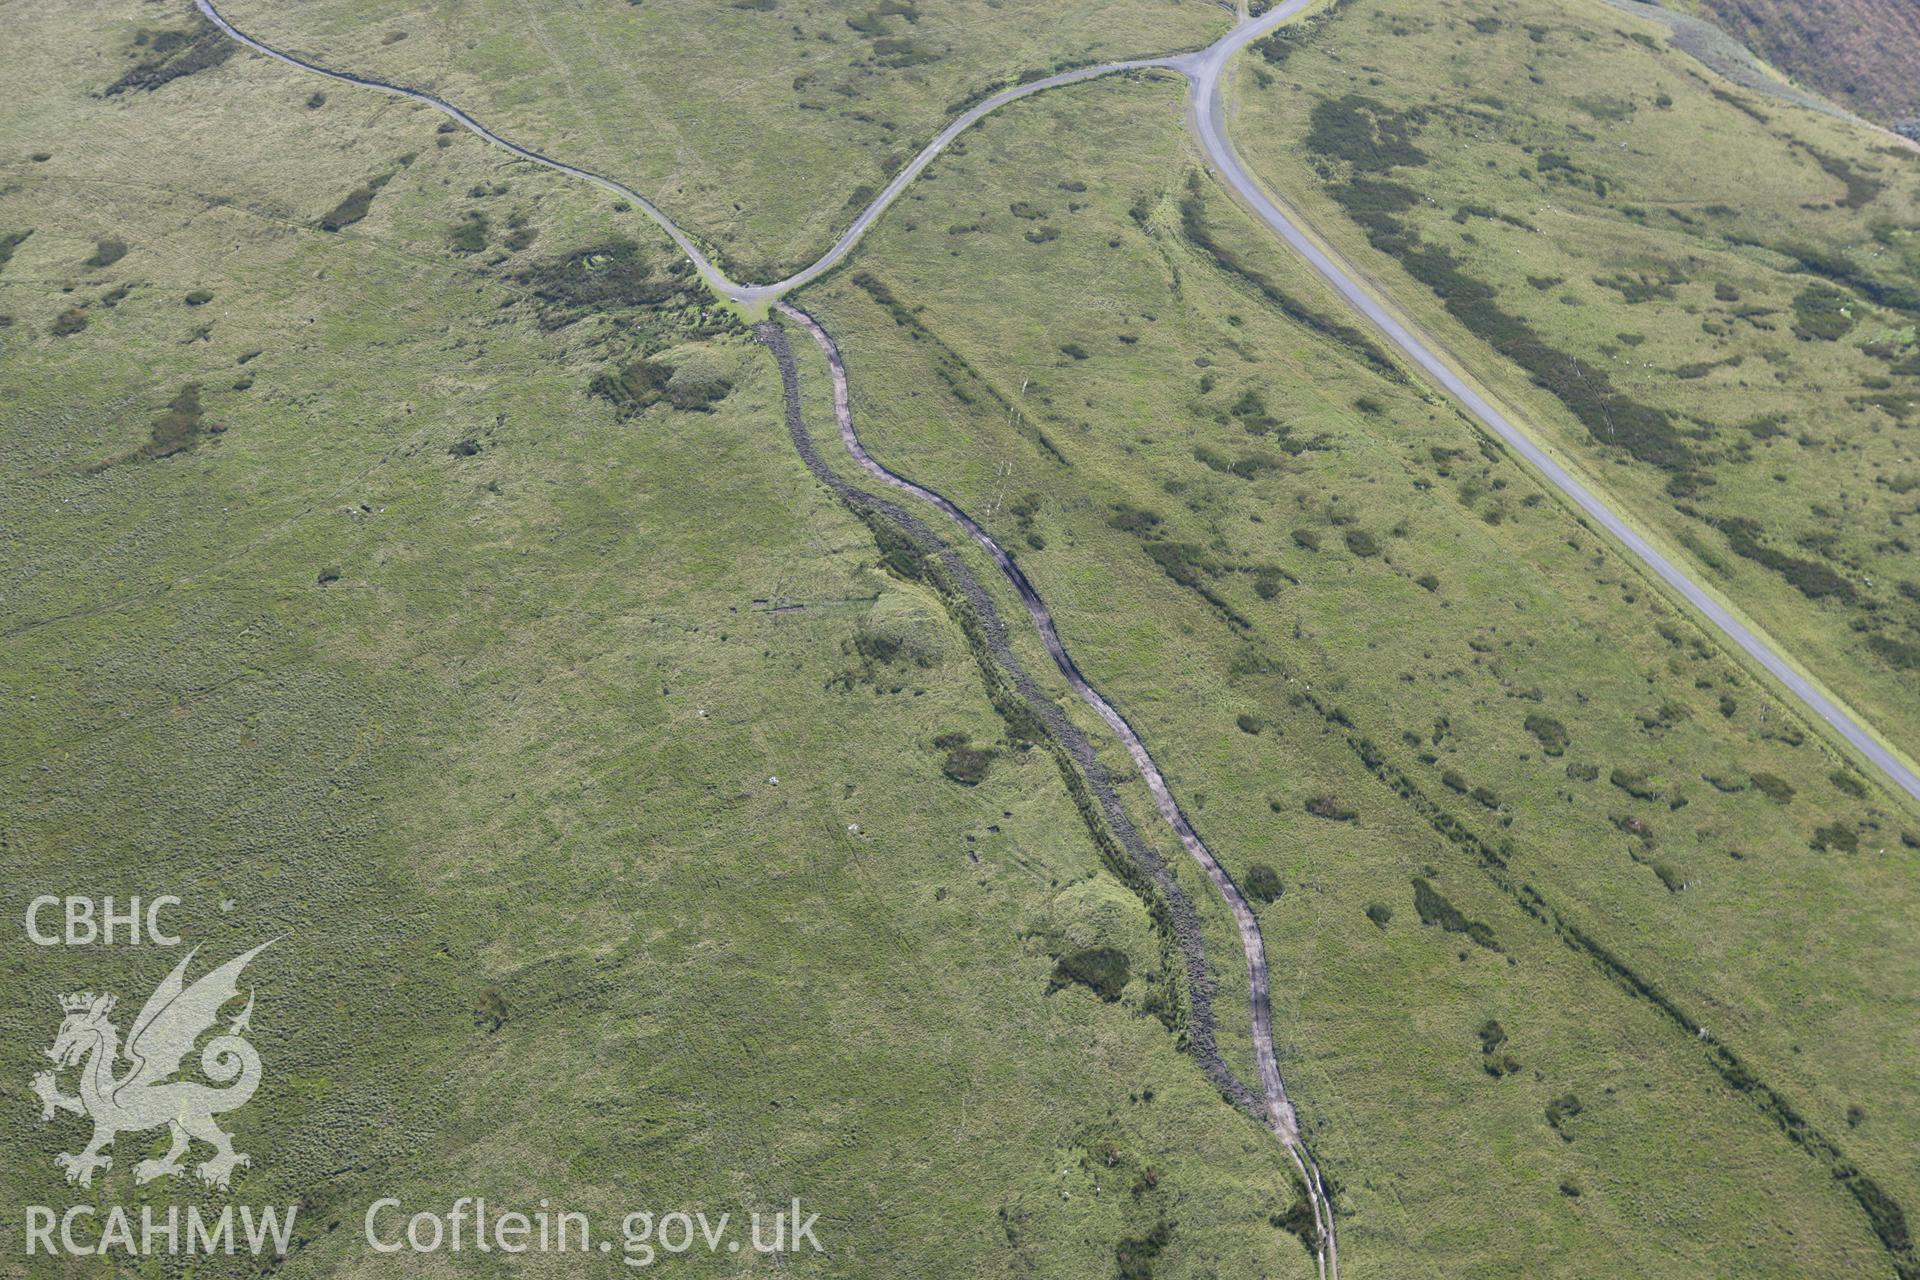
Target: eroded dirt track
<point>1272,1103</point>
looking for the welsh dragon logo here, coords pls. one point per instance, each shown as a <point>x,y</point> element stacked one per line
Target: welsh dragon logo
<point>147,1096</point>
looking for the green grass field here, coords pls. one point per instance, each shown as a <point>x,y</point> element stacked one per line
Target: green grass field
<point>1283,563</point>
<point>419,653</point>
<point>1703,297</point>
<point>761,127</point>
<point>403,554</point>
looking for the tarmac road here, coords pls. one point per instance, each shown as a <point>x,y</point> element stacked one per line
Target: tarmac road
<point>1208,118</point>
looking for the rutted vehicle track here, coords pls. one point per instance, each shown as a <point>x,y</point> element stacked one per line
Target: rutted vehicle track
<point>1270,1102</point>
<point>1205,72</point>
<point>1278,1110</point>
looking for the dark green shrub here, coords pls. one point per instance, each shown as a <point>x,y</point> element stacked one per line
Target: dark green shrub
<point>69,322</point>
<point>1551,734</point>
<point>1837,836</point>
<point>1367,134</point>
<point>1562,1109</point>
<point>1193,224</point>
<point>1361,543</point>
<point>1820,313</point>
<point>632,387</point>
<point>1132,519</point>
<point>199,297</point>
<point>175,430</point>
<point>697,385</point>
<point>1901,655</point>
<point>470,234</point>
<point>1297,1221</point>
<point>1134,1256</point>
<point>608,275</point>
<point>1812,579</point>
<point>1433,909</point>
<point>1250,724</point>
<point>1329,808</point>
<point>1306,539</point>
<point>356,204</point>
<point>1263,883</point>
<point>1356,130</point>
<point>490,1011</point>
<point>107,252</point>
<point>968,765</point>
<point>1101,970</point>
<point>1380,913</point>
<point>172,54</point>
<point>1849,783</point>
<point>1776,789</point>
<point>1636,785</point>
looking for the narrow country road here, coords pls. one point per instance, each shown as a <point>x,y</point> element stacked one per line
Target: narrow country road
<point>1205,71</point>
<point>1273,1100</point>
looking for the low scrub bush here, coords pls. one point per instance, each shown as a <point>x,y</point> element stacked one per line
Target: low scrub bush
<point>1101,970</point>
<point>107,252</point>
<point>169,55</point>
<point>1835,836</point>
<point>1561,1110</point>
<point>1330,808</point>
<point>1434,909</point>
<point>1550,733</point>
<point>1634,784</point>
<point>968,766</point>
<point>355,205</point>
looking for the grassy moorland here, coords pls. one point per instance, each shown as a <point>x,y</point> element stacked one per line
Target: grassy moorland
<point>398,555</point>
<point>762,126</point>
<point>1706,299</point>
<point>1857,52</point>
<point>1586,952</point>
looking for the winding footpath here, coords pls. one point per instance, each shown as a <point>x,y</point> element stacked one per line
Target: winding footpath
<point>1205,71</point>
